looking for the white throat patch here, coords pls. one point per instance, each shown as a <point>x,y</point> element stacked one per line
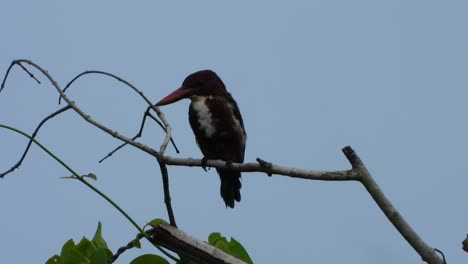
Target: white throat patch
<point>204,117</point>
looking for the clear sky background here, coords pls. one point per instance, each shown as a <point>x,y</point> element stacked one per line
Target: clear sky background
<point>388,78</point>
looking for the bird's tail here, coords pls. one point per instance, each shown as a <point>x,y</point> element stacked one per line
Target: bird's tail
<point>230,186</point>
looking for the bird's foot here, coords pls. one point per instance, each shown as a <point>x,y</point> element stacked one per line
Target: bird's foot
<point>203,163</point>
<point>228,164</point>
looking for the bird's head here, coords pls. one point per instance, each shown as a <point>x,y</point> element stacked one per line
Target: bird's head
<point>201,83</point>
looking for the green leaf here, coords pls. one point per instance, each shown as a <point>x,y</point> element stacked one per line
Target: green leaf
<point>213,237</point>
<point>223,245</point>
<point>67,247</point>
<point>98,240</point>
<point>233,247</point>
<point>149,259</point>
<point>239,251</point>
<point>54,260</point>
<point>86,247</point>
<point>73,256</point>
<point>217,240</point>
<point>156,222</point>
<point>99,256</point>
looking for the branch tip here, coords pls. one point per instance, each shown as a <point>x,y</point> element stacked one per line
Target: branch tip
<point>352,157</point>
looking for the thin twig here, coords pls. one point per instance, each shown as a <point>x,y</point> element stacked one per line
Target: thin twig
<point>162,126</point>
<point>34,136</point>
<point>13,63</point>
<point>121,250</point>
<point>30,74</point>
<point>148,234</point>
<point>140,133</point>
<point>441,253</point>
<point>168,130</point>
<point>68,86</point>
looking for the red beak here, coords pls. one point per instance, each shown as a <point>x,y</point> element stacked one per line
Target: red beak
<point>175,96</point>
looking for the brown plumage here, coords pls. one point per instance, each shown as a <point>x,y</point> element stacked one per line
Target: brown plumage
<point>217,124</point>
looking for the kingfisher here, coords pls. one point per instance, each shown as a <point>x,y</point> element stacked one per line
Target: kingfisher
<point>217,124</point>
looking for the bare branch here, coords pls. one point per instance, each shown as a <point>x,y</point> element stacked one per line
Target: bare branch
<point>30,74</point>
<point>164,128</point>
<point>167,194</point>
<point>346,175</point>
<point>185,245</point>
<point>13,63</point>
<point>110,75</point>
<point>426,252</point>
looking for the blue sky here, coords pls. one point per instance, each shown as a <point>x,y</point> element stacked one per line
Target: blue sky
<point>386,77</point>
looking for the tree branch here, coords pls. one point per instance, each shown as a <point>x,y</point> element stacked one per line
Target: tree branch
<point>345,175</point>
<point>427,253</point>
<point>167,195</point>
<point>185,245</point>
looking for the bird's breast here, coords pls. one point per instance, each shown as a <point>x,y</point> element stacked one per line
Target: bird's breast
<point>213,117</point>
<point>218,127</point>
<point>206,123</point>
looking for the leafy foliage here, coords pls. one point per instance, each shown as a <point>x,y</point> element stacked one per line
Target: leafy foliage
<point>94,251</point>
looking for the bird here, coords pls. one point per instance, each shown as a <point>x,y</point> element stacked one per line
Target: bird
<point>217,125</point>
